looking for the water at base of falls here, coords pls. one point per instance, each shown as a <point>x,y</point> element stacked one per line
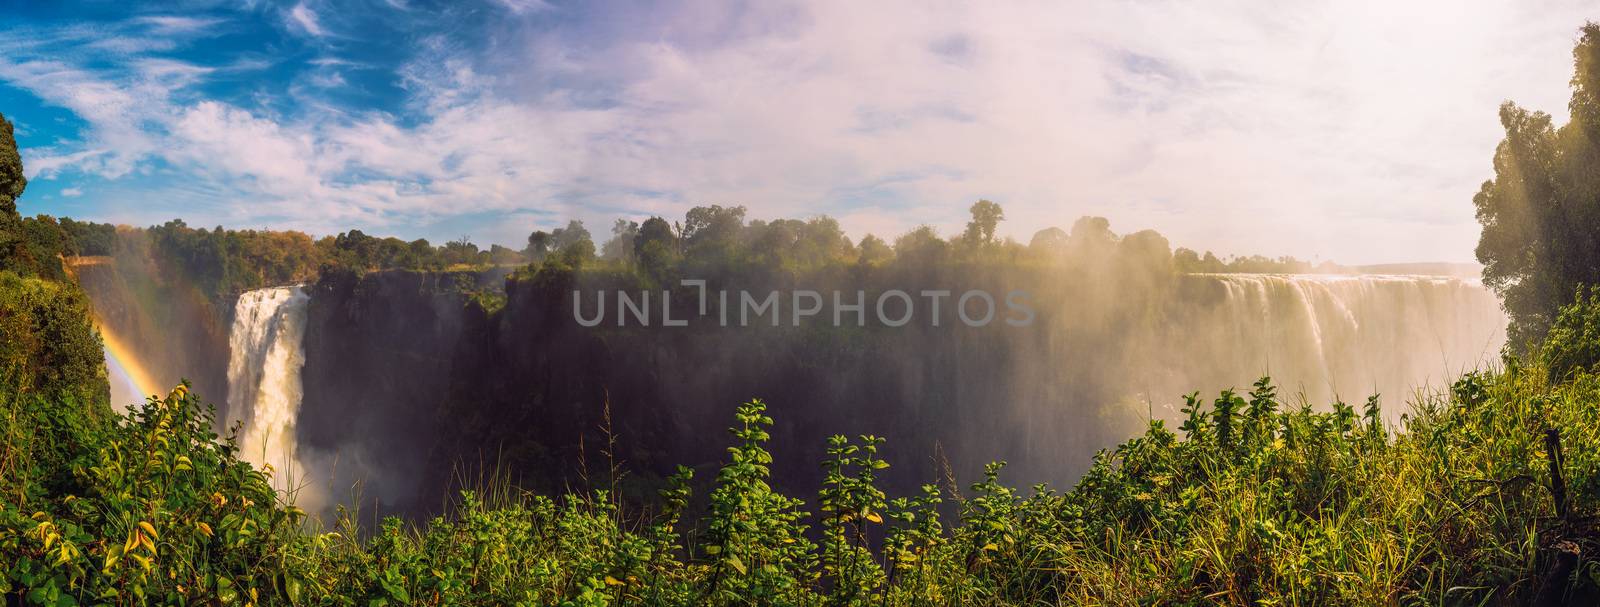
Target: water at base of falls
<point>264,391</point>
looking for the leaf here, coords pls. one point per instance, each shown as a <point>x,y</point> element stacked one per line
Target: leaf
<point>113,556</point>
<point>873,516</point>
<point>150,529</point>
<point>611,581</point>
<point>736,564</point>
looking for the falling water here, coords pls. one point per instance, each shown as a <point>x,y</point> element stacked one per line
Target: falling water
<point>1320,338</point>
<point>1349,336</point>
<point>265,358</point>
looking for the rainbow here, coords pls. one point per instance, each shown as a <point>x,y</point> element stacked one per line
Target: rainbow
<point>131,380</point>
<point>120,360</point>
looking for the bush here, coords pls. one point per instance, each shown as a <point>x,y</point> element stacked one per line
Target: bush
<point>1573,342</point>
<point>158,510</point>
<point>1251,504</point>
<point>49,346</point>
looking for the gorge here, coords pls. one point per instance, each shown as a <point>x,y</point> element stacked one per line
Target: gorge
<point>394,381</point>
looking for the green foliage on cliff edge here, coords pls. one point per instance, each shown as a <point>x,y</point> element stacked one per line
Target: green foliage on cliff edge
<point>48,346</point>
<point>53,390</point>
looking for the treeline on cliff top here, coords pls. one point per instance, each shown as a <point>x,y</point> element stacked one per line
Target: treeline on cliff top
<point>224,262</point>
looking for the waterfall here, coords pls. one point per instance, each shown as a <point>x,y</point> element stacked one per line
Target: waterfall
<point>265,358</point>
<point>1348,335</point>
<point>1125,354</point>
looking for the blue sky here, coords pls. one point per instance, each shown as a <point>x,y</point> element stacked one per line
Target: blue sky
<point>1355,131</point>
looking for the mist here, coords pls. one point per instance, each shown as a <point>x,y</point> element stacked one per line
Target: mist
<point>408,385</point>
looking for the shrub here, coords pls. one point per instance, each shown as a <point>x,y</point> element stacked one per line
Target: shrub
<point>1573,342</point>
<point>1253,504</point>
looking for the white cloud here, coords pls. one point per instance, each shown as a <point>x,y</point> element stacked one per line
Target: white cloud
<point>115,112</point>
<point>520,7</point>
<point>302,17</point>
<point>1356,131</point>
<point>174,24</point>
<point>71,192</point>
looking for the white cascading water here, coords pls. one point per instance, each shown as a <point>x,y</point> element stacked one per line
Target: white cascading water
<point>1351,335</point>
<point>265,359</point>
<point>1318,337</point>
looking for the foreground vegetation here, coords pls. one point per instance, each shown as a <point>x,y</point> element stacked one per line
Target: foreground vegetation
<point>1251,502</point>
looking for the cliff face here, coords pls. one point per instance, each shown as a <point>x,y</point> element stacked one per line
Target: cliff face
<point>413,381</point>
<point>379,353</point>
<point>943,395</point>
<point>409,381</point>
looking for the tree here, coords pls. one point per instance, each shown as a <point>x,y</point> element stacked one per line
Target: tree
<point>1050,240</point>
<point>420,254</point>
<point>504,255</point>
<point>620,247</point>
<point>822,240</point>
<point>1541,212</point>
<point>713,225</point>
<point>1143,252</point>
<point>538,245</point>
<point>564,238</point>
<point>656,230</point>
<point>985,217</point>
<point>1186,260</point>
<point>1573,343</point>
<point>12,182</point>
<point>655,246</point>
<point>1091,240</point>
<point>90,238</point>
<point>461,251</point>
<point>576,253</point>
<point>874,250</point>
<point>355,249</point>
<point>774,243</point>
<point>921,245</point>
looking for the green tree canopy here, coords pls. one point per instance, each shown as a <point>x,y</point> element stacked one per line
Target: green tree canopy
<point>1541,212</point>
<point>620,247</point>
<point>12,181</point>
<point>986,216</point>
<point>565,238</point>
<point>874,250</point>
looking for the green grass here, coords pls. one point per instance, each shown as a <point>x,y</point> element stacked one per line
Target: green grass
<point>1249,503</point>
